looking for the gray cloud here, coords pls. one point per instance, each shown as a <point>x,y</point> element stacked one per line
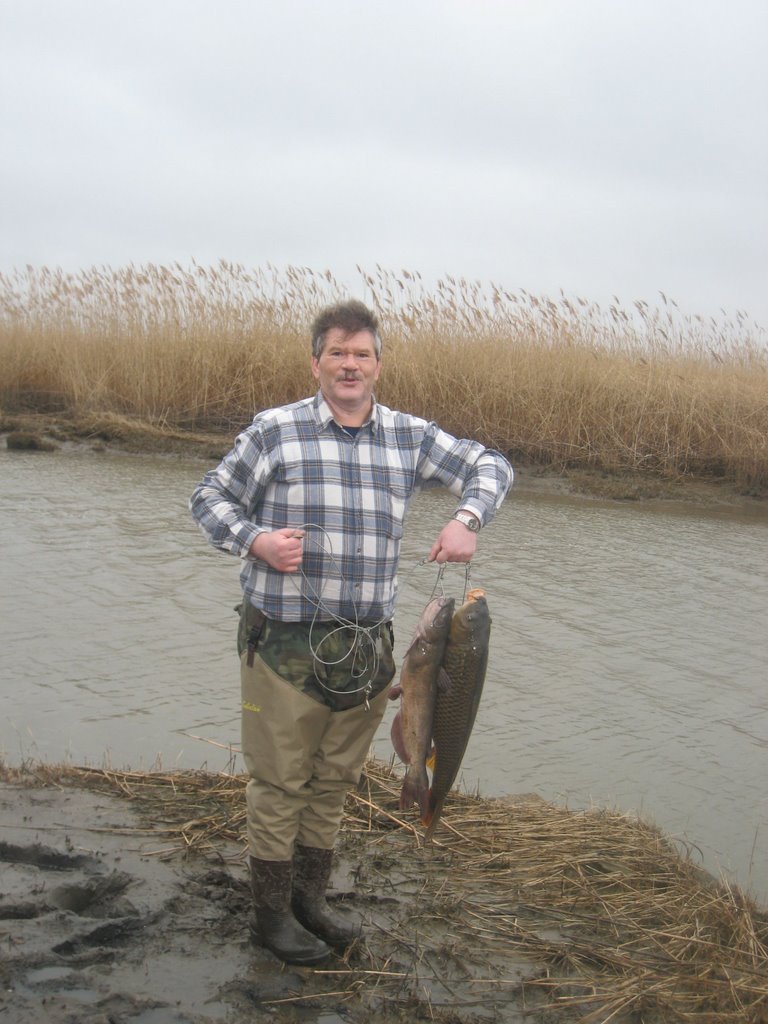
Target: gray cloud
<point>603,148</point>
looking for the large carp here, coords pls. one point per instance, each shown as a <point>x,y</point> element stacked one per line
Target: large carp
<point>458,697</point>
<point>412,727</point>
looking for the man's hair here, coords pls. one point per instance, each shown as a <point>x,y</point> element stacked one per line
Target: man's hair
<point>351,317</point>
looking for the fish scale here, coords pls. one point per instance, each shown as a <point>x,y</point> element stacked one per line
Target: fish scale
<point>465,662</point>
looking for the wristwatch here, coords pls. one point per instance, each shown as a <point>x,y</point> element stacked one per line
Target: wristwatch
<point>471,522</point>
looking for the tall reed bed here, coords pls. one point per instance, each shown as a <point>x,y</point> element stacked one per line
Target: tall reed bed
<point>558,381</point>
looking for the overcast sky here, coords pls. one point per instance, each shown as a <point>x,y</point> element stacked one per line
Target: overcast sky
<point>600,147</point>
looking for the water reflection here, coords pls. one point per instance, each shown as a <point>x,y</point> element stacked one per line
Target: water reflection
<point>628,659</point>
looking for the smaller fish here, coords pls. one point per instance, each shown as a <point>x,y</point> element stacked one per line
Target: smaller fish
<point>412,727</point>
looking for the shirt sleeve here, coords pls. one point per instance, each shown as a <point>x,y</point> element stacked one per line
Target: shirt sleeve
<point>480,477</point>
<point>224,502</point>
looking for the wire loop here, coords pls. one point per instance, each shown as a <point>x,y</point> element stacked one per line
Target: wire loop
<point>364,645</point>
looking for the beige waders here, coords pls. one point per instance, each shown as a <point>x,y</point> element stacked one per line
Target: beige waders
<point>304,745</point>
<point>302,758</point>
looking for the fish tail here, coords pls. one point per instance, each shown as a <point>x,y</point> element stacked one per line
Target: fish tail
<point>414,791</point>
<point>433,812</point>
<point>424,803</point>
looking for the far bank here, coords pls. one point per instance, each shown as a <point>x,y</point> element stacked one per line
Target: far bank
<point>108,431</point>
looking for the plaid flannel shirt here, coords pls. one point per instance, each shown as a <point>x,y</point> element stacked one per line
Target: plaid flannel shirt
<point>296,467</point>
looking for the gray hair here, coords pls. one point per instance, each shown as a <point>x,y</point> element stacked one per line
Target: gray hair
<point>352,317</point>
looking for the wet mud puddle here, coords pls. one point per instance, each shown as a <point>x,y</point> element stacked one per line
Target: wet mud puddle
<point>96,927</point>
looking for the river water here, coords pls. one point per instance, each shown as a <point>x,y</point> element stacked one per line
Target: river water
<point>628,661</point>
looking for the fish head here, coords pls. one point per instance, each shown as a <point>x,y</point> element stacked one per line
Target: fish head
<point>436,619</point>
<point>472,621</point>
<point>432,630</point>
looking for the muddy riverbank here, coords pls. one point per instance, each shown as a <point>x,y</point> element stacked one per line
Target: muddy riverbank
<point>106,917</point>
<point>124,899</point>
<point>103,431</point>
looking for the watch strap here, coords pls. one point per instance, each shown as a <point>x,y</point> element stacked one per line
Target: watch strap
<point>471,522</point>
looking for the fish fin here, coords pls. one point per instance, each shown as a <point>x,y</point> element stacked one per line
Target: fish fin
<point>395,691</point>
<point>434,815</point>
<point>426,817</point>
<point>431,759</point>
<point>424,801</point>
<point>398,740</point>
<point>406,796</point>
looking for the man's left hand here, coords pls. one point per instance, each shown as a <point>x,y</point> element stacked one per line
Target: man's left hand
<point>456,543</point>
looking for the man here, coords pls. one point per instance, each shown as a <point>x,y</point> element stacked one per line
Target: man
<point>313,498</point>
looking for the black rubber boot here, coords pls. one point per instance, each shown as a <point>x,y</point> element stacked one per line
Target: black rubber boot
<point>311,871</point>
<point>275,926</point>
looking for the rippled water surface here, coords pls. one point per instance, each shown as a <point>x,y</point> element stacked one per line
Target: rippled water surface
<point>628,659</point>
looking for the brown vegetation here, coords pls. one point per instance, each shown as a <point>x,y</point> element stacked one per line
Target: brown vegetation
<point>555,382</point>
<point>614,921</point>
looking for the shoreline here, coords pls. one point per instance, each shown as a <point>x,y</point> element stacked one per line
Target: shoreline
<point>99,432</point>
<point>125,897</point>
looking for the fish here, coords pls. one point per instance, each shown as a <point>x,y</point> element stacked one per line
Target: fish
<point>458,697</point>
<point>411,730</point>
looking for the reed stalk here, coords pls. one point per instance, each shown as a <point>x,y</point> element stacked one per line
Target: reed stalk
<point>560,382</point>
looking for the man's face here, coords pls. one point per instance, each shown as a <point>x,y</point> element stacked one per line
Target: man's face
<point>347,370</point>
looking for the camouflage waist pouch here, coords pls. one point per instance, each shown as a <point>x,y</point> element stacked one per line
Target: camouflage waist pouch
<point>338,666</point>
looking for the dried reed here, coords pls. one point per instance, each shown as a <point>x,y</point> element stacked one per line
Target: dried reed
<point>550,381</point>
<point>625,924</point>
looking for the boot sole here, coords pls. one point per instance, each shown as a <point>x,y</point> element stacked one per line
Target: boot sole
<point>302,963</point>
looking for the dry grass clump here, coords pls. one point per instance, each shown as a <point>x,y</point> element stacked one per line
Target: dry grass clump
<point>625,925</point>
<point>191,347</point>
<point>558,382</point>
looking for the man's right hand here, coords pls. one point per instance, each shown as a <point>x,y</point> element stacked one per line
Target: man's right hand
<point>281,549</point>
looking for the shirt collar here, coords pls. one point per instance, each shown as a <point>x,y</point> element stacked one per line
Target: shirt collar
<point>325,416</point>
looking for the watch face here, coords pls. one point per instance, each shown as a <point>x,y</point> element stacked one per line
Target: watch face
<point>471,522</point>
